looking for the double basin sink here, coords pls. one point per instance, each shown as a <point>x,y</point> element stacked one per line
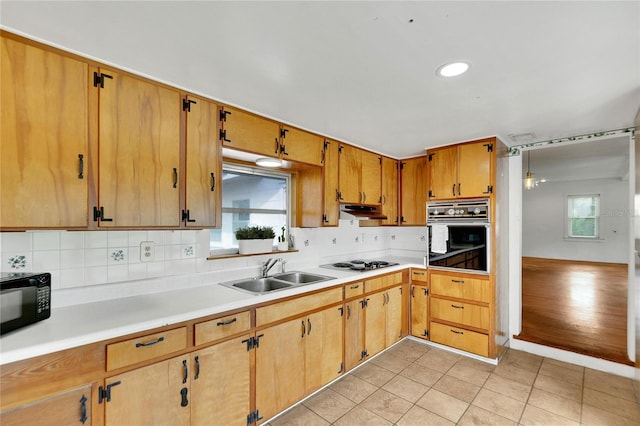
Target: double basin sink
<point>276,282</point>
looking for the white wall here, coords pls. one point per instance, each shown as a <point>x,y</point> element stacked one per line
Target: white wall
<point>543,221</point>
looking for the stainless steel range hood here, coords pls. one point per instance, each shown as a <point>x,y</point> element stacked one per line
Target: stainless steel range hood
<point>361,212</point>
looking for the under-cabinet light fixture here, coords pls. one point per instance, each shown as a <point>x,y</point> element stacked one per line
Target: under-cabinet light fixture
<point>453,69</point>
<point>269,162</point>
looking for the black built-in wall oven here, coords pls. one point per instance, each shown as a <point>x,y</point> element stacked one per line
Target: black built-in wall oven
<point>459,235</point>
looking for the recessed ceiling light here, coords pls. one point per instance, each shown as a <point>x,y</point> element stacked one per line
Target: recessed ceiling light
<point>453,69</point>
<point>269,162</point>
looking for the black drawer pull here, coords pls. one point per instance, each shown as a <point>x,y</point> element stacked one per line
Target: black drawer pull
<point>151,343</point>
<point>353,287</point>
<point>231,321</point>
<point>457,306</point>
<point>457,332</point>
<point>458,281</point>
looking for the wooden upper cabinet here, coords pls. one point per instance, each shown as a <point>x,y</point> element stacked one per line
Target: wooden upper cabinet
<point>330,184</point>
<point>413,198</point>
<point>359,175</point>
<point>371,177</point>
<point>44,150</point>
<point>389,197</point>
<point>203,166</point>
<point>139,152</point>
<point>301,146</point>
<point>461,171</point>
<point>249,132</point>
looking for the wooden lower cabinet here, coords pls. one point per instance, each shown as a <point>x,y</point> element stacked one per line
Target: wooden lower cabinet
<point>353,333</point>
<point>157,394</point>
<point>209,386</point>
<point>221,384</point>
<point>383,320</point>
<point>419,311</point>
<point>296,358</point>
<point>67,408</point>
<point>466,340</point>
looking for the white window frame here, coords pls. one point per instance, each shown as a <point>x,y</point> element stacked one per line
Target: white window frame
<point>233,167</point>
<point>569,218</point>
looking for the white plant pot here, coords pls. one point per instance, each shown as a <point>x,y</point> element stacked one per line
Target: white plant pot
<point>255,246</point>
<point>283,246</point>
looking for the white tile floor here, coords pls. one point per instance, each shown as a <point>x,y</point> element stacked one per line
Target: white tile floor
<point>415,384</point>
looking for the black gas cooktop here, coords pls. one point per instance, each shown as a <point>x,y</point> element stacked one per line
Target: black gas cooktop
<point>359,265</point>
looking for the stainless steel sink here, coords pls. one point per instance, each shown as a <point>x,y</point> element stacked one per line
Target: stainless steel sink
<point>297,277</point>
<point>276,282</point>
<point>259,285</point>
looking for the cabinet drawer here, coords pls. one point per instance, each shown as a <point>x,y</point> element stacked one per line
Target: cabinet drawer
<point>219,328</point>
<point>382,282</point>
<point>460,287</point>
<point>459,338</point>
<point>297,306</point>
<point>145,348</point>
<point>462,313</point>
<point>353,289</point>
<point>419,275</point>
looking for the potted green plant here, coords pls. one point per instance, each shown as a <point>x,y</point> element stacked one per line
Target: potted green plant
<point>282,241</point>
<point>255,239</point>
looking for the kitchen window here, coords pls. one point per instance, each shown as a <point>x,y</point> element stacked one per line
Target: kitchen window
<point>583,216</point>
<point>250,197</point>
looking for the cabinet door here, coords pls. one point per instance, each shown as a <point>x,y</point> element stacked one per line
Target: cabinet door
<point>375,323</point>
<point>247,132</point>
<point>44,139</point>
<point>323,348</point>
<point>443,173</point>
<point>393,316</point>
<point>139,153</point>
<point>220,384</point>
<point>151,395</point>
<point>280,367</point>
<point>419,311</point>
<point>203,165</point>
<point>474,169</point>
<point>413,181</point>
<point>389,197</point>
<point>350,174</point>
<point>371,177</point>
<point>330,183</point>
<point>301,146</point>
<point>353,334</point>
<point>68,408</point>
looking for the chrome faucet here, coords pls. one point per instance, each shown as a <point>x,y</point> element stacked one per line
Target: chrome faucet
<point>266,266</point>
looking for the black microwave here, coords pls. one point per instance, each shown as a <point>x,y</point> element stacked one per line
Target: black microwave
<point>25,298</point>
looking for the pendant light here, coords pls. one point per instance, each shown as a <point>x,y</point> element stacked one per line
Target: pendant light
<point>528,180</point>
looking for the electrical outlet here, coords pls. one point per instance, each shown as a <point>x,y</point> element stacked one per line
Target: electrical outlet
<point>147,251</point>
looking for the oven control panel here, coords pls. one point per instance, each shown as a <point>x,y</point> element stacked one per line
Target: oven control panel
<point>462,210</point>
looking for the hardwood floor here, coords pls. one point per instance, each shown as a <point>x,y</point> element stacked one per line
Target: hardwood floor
<point>577,306</point>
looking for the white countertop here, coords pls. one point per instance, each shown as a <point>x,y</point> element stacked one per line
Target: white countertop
<point>78,325</point>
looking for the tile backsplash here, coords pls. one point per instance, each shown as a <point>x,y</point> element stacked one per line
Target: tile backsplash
<point>88,258</point>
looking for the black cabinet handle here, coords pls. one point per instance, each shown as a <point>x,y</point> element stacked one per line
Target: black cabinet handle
<point>277,146</point>
<point>303,329</point>
<point>175,177</point>
<point>348,311</point>
<point>83,410</point>
<point>213,182</point>
<point>457,306</point>
<point>457,332</point>
<point>81,166</point>
<point>458,281</point>
<point>197,360</point>
<point>151,343</point>
<point>459,194</point>
<point>231,321</point>
<point>183,394</point>
<point>309,322</point>
<point>453,190</point>
<point>185,370</point>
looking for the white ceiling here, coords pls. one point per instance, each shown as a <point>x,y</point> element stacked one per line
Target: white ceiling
<point>364,72</point>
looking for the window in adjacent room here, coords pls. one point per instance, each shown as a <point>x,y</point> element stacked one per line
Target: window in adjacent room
<point>250,196</point>
<point>583,216</point>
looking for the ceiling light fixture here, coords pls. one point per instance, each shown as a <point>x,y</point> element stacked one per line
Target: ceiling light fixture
<point>453,69</point>
<point>269,162</point>
<point>528,180</point>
